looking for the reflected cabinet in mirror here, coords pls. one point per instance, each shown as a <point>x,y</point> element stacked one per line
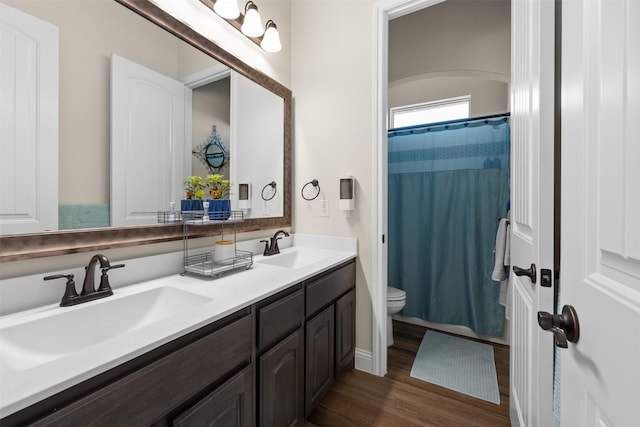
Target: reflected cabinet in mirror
<point>115,104</point>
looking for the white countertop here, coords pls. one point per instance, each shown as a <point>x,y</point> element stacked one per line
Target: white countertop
<point>20,388</point>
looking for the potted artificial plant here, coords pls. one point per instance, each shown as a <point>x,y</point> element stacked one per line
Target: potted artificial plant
<point>220,206</point>
<point>194,185</point>
<point>218,186</point>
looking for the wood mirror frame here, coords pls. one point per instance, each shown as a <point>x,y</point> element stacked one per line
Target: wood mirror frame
<point>37,245</point>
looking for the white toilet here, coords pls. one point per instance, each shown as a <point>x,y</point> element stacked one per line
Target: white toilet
<point>396,300</point>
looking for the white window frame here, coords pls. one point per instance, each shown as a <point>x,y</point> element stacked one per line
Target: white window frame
<point>426,106</point>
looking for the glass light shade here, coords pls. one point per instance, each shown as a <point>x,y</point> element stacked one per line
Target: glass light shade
<point>252,24</point>
<point>227,9</point>
<point>271,40</point>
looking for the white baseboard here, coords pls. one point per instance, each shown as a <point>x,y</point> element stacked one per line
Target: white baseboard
<point>364,361</point>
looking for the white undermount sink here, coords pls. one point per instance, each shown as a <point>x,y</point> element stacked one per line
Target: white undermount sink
<point>42,338</point>
<point>295,257</point>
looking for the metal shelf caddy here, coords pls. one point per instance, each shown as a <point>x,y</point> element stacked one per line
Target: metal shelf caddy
<point>203,264</point>
<point>169,217</point>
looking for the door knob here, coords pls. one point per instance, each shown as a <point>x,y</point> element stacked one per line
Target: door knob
<point>565,326</point>
<point>529,272</point>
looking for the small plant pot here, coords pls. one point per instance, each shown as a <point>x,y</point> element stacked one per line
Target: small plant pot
<point>191,205</point>
<point>219,209</point>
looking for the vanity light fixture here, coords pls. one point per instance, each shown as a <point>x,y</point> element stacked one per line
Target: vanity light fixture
<point>228,9</point>
<point>271,39</point>
<point>252,23</point>
<point>249,23</point>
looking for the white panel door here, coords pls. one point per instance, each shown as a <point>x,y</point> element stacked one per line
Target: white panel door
<point>256,149</point>
<point>149,154</point>
<point>532,100</point>
<point>600,256</point>
<point>29,126</point>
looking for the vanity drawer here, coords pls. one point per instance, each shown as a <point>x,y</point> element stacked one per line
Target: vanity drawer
<point>280,318</point>
<point>149,393</point>
<point>328,288</point>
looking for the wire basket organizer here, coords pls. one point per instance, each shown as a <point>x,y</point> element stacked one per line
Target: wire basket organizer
<point>209,218</point>
<point>206,264</point>
<point>169,217</point>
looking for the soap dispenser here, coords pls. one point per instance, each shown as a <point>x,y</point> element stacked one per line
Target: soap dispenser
<point>244,196</point>
<point>347,194</point>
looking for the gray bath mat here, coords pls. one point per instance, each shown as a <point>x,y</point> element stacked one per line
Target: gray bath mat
<point>462,365</point>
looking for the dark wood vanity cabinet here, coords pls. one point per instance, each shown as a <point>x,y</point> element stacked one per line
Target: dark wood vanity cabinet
<point>266,365</point>
<point>305,339</point>
<point>330,331</point>
<point>345,333</point>
<point>320,357</point>
<point>280,349</point>
<point>181,381</point>
<point>282,383</point>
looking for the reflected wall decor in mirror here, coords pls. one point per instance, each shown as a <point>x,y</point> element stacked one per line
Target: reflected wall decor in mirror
<point>119,176</point>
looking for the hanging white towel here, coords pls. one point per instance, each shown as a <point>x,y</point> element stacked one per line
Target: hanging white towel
<point>505,296</point>
<point>498,274</point>
<point>502,298</point>
<point>507,246</point>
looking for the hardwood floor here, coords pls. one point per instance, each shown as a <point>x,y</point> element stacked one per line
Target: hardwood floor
<point>361,399</point>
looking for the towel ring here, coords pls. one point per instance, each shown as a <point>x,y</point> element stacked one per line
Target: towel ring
<point>316,185</point>
<point>272,184</point>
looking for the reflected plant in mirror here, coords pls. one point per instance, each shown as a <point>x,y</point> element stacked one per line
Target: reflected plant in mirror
<point>218,186</point>
<point>193,185</point>
<point>101,46</point>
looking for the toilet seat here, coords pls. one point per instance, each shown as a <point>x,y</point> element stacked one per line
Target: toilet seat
<point>395,294</point>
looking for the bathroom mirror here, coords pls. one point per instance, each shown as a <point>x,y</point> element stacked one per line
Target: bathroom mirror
<point>23,246</point>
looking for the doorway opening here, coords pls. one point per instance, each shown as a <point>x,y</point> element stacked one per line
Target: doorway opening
<point>390,88</point>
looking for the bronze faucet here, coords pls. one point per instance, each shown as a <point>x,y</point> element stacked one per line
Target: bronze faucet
<point>89,292</point>
<point>88,286</point>
<point>271,247</point>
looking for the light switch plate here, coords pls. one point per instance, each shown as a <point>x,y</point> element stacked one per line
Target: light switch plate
<point>324,209</point>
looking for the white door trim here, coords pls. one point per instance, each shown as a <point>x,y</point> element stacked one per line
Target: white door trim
<point>385,10</point>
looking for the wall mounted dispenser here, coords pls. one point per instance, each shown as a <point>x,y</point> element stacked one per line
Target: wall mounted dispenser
<point>244,196</point>
<point>347,194</point>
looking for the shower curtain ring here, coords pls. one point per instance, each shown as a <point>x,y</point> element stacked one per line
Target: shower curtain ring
<point>315,183</point>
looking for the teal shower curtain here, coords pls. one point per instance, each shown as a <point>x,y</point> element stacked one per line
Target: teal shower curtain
<point>448,188</point>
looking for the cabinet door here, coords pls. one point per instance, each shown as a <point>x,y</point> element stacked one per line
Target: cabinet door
<point>320,357</point>
<point>345,332</point>
<point>231,404</point>
<point>282,383</point>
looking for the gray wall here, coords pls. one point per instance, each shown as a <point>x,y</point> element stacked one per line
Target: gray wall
<point>454,48</point>
<point>211,106</point>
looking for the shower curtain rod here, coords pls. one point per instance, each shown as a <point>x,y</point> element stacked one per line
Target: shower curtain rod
<point>425,127</point>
